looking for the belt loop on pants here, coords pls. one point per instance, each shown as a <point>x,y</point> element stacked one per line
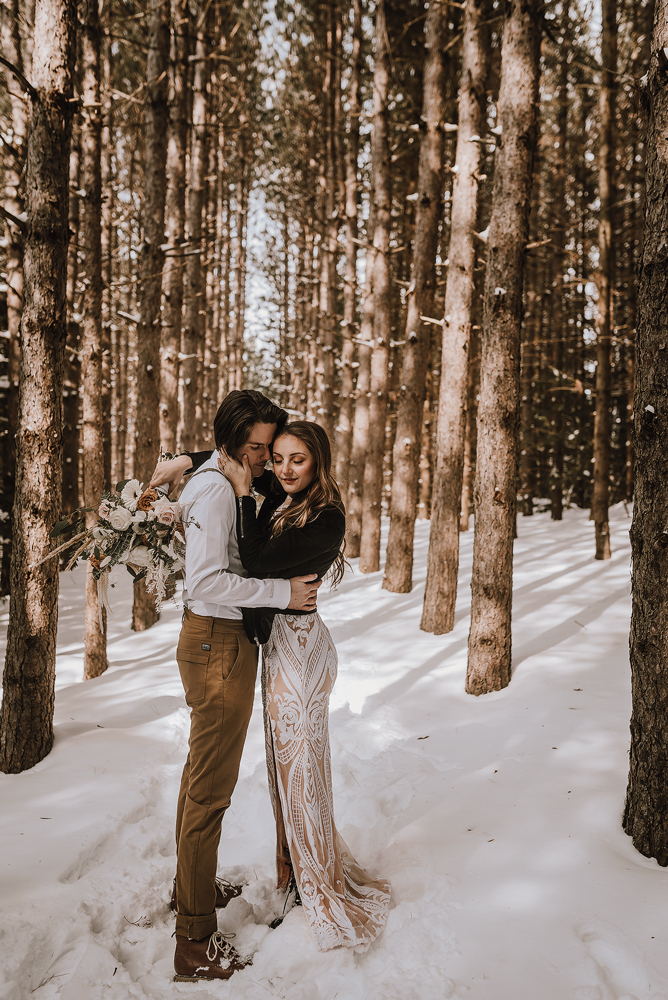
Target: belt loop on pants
<point>209,633</point>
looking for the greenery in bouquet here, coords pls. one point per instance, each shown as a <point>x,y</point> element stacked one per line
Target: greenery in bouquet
<point>138,528</point>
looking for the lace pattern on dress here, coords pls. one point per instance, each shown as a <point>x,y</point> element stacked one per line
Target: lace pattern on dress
<point>343,904</point>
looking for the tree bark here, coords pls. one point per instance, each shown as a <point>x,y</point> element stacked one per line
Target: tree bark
<point>193,325</point>
<point>14,202</point>
<point>239,254</point>
<point>344,428</point>
<point>26,717</point>
<point>443,559</point>
<point>381,180</point>
<point>470,435</point>
<point>95,641</point>
<point>177,150</point>
<point>147,425</point>
<point>360,427</point>
<point>107,234</point>
<point>329,242</point>
<point>72,376</point>
<point>646,811</point>
<point>495,488</point>
<point>604,279</point>
<point>408,439</point>
<point>558,324</point>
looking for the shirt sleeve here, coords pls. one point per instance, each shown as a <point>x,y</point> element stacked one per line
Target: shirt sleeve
<point>211,520</point>
<point>198,458</point>
<point>293,547</point>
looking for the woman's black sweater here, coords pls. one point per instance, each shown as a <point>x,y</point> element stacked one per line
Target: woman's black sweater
<point>294,552</point>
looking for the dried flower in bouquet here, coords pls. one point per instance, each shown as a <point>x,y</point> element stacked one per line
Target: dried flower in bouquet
<point>138,528</point>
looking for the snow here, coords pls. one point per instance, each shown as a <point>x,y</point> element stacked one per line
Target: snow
<point>497,818</point>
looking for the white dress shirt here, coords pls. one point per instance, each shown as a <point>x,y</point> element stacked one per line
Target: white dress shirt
<point>216,583</point>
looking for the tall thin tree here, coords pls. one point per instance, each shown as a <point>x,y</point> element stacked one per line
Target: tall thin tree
<point>443,560</point>
<point>382,198</point>
<point>489,653</point>
<point>407,446</point>
<point>147,425</point>
<point>604,278</point>
<point>175,223</point>
<point>344,426</point>
<point>26,716</point>
<point>93,437</point>
<point>193,320</point>
<point>646,811</point>
<point>13,47</point>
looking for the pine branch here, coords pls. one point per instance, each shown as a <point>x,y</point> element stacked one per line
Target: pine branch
<point>13,219</point>
<point>27,86</point>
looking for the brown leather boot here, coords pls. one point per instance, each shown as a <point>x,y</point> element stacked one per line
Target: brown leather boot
<point>225,891</point>
<point>211,958</point>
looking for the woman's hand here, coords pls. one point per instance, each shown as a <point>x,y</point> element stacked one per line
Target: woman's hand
<point>239,474</point>
<point>171,471</point>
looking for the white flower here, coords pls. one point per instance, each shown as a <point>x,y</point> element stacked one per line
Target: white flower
<point>139,516</point>
<point>120,519</point>
<point>131,493</point>
<point>139,556</point>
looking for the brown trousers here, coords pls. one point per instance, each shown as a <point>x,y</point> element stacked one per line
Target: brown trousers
<point>218,666</point>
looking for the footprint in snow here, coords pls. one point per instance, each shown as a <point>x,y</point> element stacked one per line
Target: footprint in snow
<point>619,966</point>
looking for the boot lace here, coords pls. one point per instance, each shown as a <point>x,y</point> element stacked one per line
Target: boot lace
<point>218,943</point>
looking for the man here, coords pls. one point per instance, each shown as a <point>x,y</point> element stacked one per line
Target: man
<point>218,666</point>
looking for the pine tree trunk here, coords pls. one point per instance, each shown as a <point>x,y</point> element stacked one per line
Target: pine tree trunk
<point>26,716</point>
<point>147,426</point>
<point>72,377</point>
<point>107,237</point>
<point>226,259</point>
<point>558,325</point>
<point>469,435</point>
<point>329,243</point>
<point>407,447</point>
<point>646,811</point>
<point>443,559</point>
<point>361,414</point>
<point>10,17</point>
<point>175,226</point>
<point>95,641</point>
<point>239,255</point>
<point>380,170</point>
<point>193,326</point>
<point>425,463</point>
<point>495,487</point>
<point>344,429</point>
<point>527,462</point>
<point>604,279</point>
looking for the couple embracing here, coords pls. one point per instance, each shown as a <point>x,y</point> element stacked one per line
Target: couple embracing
<point>251,579</point>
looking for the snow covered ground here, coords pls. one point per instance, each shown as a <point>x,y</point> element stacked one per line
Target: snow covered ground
<point>497,819</point>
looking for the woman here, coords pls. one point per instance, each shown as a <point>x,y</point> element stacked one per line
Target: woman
<point>300,529</point>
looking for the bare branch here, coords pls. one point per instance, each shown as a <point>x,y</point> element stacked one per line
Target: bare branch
<point>27,86</point>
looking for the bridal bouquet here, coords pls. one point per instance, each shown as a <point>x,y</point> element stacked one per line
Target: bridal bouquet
<point>139,528</point>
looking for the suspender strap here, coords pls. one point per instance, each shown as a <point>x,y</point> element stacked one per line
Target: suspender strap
<point>201,471</point>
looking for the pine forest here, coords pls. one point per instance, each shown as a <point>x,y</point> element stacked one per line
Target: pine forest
<point>435,228</point>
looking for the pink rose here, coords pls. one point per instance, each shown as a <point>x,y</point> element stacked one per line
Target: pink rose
<point>104,509</point>
<point>167,513</point>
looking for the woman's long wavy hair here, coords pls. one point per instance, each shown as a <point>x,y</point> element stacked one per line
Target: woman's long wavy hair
<point>323,491</point>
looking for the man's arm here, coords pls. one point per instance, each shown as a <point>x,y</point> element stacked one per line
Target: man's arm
<point>212,518</point>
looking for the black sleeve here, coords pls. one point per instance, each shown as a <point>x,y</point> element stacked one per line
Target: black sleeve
<point>293,547</point>
<point>198,458</point>
<point>267,484</point>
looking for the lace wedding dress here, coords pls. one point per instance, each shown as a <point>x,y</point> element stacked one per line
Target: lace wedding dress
<point>343,904</point>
